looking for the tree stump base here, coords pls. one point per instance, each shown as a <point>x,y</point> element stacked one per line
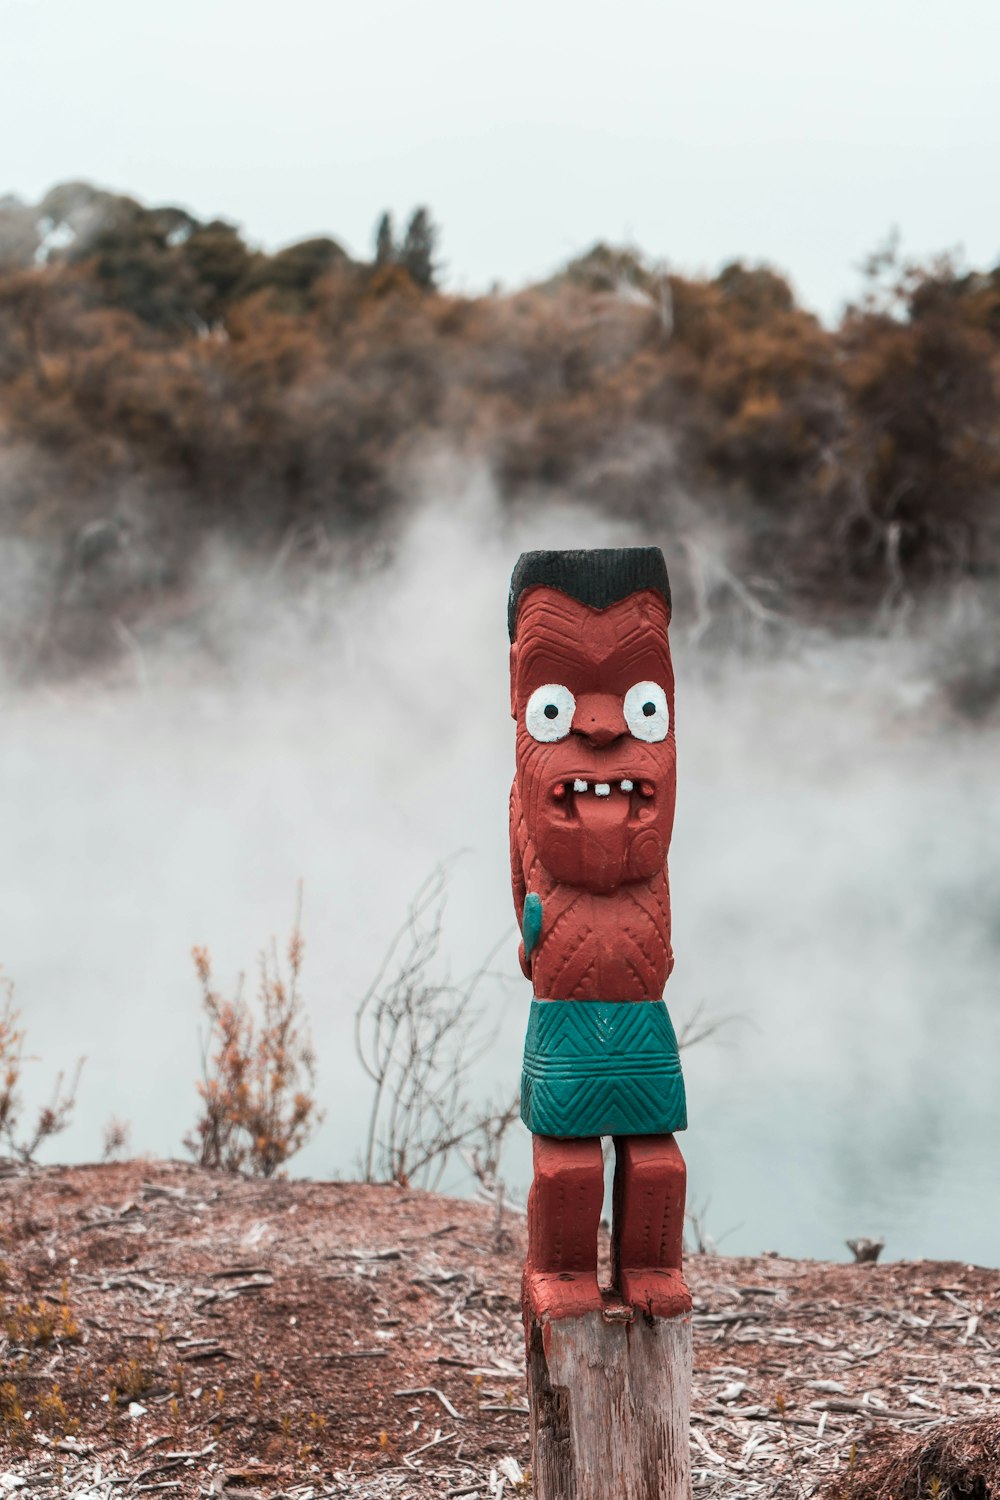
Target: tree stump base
<point>609,1394</point>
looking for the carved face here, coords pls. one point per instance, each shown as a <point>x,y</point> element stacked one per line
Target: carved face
<point>592,692</point>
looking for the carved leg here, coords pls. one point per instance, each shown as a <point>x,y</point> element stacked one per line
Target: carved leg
<point>564,1211</point>
<point>650,1179</point>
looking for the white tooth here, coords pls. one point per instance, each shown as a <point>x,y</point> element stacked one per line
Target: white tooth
<point>602,788</point>
<point>626,786</point>
<point>580,786</point>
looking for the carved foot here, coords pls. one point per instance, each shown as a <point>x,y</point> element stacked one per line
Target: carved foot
<point>659,1293</point>
<point>560,1294</point>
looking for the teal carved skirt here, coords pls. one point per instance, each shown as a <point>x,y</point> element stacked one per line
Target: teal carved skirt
<point>601,1067</point>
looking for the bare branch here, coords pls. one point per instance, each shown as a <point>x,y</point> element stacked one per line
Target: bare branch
<point>418,1035</point>
<point>52,1117</point>
<point>701,1024</point>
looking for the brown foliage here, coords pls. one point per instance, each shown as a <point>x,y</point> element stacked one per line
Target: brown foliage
<point>258,1070</point>
<point>205,386</point>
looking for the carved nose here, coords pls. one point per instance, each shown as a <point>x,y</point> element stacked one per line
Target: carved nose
<point>599,719</point>
<point>601,734</point>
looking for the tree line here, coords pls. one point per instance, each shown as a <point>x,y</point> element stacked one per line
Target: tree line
<point>161,381</point>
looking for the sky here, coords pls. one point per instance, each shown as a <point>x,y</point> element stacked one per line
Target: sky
<point>795,133</point>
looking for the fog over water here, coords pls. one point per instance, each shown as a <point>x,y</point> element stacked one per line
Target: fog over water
<point>835,875</point>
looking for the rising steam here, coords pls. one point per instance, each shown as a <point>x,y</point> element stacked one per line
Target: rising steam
<point>834,870</point>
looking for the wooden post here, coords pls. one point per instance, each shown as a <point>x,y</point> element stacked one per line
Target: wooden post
<point>592,807</point>
<point>610,1394</point>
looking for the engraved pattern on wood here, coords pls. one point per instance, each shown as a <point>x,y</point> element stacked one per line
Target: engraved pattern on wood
<point>610,1408</point>
<point>579,966</point>
<point>559,846</point>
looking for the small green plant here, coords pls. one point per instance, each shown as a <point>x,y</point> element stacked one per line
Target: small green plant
<point>852,1469</point>
<point>53,1415</point>
<point>154,1346</point>
<point>44,1323</point>
<point>130,1379</point>
<point>13,1423</point>
<point>258,1397</point>
<point>312,1447</point>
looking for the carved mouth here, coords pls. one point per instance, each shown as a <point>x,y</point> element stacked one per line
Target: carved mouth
<point>581,797</point>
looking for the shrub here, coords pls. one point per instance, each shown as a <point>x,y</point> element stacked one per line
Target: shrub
<point>258,1070</point>
<point>52,1117</point>
<point>418,1035</point>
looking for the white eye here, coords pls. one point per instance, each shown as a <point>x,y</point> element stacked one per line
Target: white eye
<point>549,713</point>
<point>646,712</point>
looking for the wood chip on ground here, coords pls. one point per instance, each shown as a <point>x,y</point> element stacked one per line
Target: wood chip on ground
<point>171,1331</point>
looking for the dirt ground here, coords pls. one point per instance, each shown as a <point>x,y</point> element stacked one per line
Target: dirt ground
<point>171,1331</point>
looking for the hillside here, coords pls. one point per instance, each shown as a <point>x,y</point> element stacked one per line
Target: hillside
<point>170,1330</point>
<point>163,384</point>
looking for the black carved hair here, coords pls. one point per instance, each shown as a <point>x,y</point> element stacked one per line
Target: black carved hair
<point>598,577</point>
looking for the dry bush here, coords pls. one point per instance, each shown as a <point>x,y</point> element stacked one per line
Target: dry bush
<point>258,1068</point>
<point>418,1035</point>
<point>52,1117</point>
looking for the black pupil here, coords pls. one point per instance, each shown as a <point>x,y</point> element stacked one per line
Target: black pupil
<point>551,712</point>
<point>649,709</point>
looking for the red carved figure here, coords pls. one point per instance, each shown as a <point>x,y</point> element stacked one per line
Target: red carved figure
<point>591,816</point>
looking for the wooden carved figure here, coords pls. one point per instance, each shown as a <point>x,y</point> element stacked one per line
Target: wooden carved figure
<point>591,816</point>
